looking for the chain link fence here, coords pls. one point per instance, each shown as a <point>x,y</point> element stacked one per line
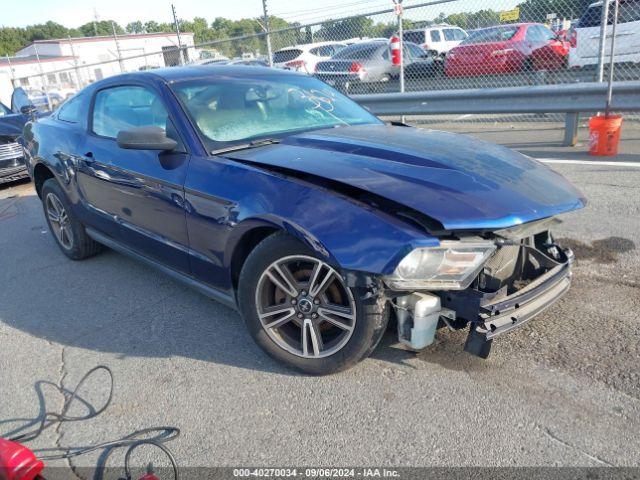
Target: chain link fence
<point>446,45</point>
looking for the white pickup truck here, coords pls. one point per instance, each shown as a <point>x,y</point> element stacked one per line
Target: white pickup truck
<point>587,34</point>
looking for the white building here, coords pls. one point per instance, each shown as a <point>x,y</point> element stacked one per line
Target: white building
<point>73,63</point>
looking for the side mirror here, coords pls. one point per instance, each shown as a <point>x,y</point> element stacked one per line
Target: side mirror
<point>28,109</point>
<point>146,138</point>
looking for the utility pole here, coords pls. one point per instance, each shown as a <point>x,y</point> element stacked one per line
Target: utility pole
<point>115,38</point>
<point>607,108</point>
<point>75,64</point>
<point>95,21</point>
<point>603,39</point>
<point>13,74</point>
<point>177,27</point>
<point>44,83</point>
<point>267,28</point>
<point>398,9</point>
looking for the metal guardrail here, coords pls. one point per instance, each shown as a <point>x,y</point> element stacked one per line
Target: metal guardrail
<point>570,99</point>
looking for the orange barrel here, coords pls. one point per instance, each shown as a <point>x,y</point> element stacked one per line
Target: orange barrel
<point>604,135</point>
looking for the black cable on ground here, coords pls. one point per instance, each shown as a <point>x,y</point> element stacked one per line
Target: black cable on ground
<point>51,418</point>
<point>132,441</point>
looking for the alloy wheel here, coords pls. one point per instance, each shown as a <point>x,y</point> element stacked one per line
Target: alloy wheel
<point>305,307</point>
<point>59,221</point>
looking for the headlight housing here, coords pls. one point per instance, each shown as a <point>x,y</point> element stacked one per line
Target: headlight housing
<point>451,266</point>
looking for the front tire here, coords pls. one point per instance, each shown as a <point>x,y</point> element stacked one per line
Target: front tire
<point>301,312</point>
<point>65,227</point>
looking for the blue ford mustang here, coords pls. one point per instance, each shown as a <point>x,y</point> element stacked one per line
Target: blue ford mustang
<point>278,196</point>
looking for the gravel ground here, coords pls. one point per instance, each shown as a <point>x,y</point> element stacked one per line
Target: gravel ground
<point>562,390</point>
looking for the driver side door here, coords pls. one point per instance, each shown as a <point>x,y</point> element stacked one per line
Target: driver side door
<point>136,196</point>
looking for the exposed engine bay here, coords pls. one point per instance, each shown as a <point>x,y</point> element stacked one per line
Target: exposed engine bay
<point>523,276</point>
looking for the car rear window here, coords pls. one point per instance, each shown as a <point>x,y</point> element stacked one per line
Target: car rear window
<point>494,34</point>
<point>414,37</point>
<point>629,11</point>
<point>282,56</point>
<point>358,52</point>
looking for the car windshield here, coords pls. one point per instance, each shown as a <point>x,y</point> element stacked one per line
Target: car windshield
<point>229,110</point>
<point>358,51</point>
<point>495,34</point>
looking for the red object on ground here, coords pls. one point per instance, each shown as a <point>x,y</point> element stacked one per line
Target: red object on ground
<point>395,50</point>
<point>604,135</point>
<point>507,48</point>
<point>17,462</point>
<point>149,476</point>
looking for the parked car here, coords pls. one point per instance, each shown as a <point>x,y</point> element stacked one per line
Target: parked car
<point>304,58</point>
<point>252,62</point>
<point>12,121</point>
<point>507,49</point>
<point>280,197</point>
<point>586,34</point>
<point>370,62</point>
<point>39,99</point>
<point>439,38</point>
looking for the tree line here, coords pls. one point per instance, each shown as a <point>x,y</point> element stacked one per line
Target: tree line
<point>13,39</point>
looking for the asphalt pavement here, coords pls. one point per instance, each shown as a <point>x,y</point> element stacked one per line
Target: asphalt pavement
<point>562,390</point>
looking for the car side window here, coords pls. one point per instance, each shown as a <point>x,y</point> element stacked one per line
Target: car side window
<point>435,35</point>
<point>71,109</point>
<point>546,33</point>
<point>533,34</point>
<point>416,51</point>
<point>121,108</point>
<point>450,34</point>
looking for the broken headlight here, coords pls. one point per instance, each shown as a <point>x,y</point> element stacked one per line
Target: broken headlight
<point>451,266</point>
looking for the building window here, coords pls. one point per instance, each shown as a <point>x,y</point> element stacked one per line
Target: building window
<point>51,78</point>
<point>24,82</point>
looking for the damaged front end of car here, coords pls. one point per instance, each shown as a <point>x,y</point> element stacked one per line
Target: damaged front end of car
<point>492,282</point>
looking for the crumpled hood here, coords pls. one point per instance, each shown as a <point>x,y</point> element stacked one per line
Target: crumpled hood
<point>12,124</point>
<point>462,182</point>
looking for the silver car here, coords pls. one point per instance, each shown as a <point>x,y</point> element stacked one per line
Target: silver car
<point>370,62</point>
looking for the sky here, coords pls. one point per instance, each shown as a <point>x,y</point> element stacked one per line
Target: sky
<point>73,13</point>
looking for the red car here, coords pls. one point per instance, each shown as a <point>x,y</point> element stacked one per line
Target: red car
<point>507,49</point>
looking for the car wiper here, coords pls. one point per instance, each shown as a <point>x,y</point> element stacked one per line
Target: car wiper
<point>245,146</point>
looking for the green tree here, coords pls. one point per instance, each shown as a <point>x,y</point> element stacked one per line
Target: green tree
<point>135,27</point>
<point>101,28</point>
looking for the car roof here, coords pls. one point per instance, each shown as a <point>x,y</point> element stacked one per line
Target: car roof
<point>308,46</point>
<point>192,72</point>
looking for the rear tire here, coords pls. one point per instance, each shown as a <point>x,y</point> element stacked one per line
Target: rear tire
<point>317,341</point>
<point>65,227</point>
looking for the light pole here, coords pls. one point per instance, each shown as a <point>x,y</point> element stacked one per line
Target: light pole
<point>266,26</point>
<point>177,25</point>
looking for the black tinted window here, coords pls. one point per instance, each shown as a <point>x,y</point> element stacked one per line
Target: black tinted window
<point>286,55</point>
<point>591,17</point>
<point>70,110</point>
<point>323,51</point>
<point>358,51</point>
<point>629,11</point>
<point>453,34</point>
<point>121,108</point>
<point>494,34</point>
<point>415,37</point>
